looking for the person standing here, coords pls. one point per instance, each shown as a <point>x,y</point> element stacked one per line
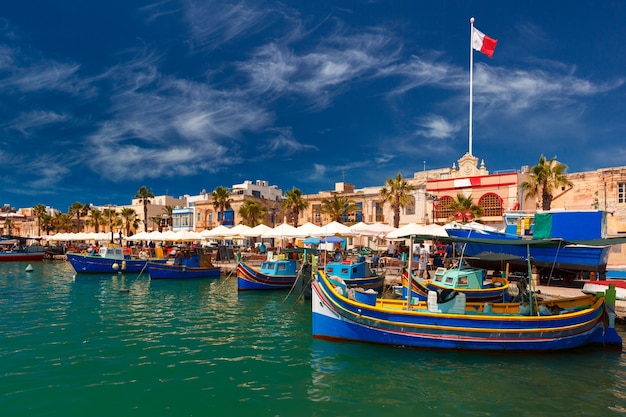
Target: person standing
<point>423,263</point>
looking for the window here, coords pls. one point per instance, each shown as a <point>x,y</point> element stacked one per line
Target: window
<point>491,204</point>
<point>621,192</point>
<point>443,207</point>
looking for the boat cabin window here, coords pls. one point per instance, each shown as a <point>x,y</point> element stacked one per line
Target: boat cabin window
<point>282,267</point>
<point>462,281</point>
<point>344,270</point>
<point>438,278</point>
<point>329,269</point>
<point>449,280</point>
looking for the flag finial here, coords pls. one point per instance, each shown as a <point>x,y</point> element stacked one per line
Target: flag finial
<point>472,20</point>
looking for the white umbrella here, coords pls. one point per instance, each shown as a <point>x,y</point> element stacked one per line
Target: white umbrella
<point>155,235</point>
<point>188,236</point>
<point>411,229</point>
<point>238,231</point>
<point>136,237</point>
<point>257,231</point>
<point>308,229</point>
<point>169,236</point>
<point>218,232</point>
<point>281,231</point>
<point>335,229</point>
<point>436,230</point>
<point>374,229</point>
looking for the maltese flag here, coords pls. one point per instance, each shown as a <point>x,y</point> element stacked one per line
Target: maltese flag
<point>483,43</point>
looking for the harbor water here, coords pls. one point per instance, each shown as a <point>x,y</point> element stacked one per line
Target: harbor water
<point>122,345</point>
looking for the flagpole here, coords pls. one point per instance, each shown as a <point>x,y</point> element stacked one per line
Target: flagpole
<point>471,82</point>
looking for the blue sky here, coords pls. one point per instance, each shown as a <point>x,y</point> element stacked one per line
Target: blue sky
<point>100,98</point>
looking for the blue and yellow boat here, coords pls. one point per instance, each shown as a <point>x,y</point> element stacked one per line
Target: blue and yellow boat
<point>454,323</point>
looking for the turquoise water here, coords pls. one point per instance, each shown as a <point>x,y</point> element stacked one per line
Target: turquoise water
<point>115,345</point>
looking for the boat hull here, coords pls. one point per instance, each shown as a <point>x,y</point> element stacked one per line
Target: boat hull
<point>90,264</point>
<point>337,317</point>
<point>21,256</point>
<point>249,278</point>
<point>168,271</point>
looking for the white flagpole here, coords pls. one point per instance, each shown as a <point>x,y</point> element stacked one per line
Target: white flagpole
<point>471,82</point>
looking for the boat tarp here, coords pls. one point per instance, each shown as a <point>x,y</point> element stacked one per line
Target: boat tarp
<point>543,226</point>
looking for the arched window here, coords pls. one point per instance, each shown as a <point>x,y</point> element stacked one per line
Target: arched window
<point>443,207</point>
<point>409,209</point>
<point>491,204</point>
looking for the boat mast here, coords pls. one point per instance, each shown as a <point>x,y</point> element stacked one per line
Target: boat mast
<point>471,81</point>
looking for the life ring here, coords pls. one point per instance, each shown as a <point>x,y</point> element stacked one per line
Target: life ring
<point>143,255</point>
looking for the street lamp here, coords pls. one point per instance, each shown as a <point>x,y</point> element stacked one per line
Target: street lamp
<point>434,199</point>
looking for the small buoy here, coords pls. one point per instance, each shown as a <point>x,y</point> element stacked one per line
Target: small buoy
<point>115,266</point>
<point>29,268</point>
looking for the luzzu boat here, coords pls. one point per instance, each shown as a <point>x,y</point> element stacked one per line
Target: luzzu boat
<point>356,274</point>
<point>15,249</point>
<point>274,274</point>
<point>187,264</point>
<point>464,279</point>
<point>456,324</point>
<point>107,259</point>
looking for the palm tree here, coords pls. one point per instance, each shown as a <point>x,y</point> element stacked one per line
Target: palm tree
<point>129,217</point>
<point>544,178</point>
<point>294,203</point>
<point>396,192</point>
<point>221,201</point>
<point>78,209</point>
<point>252,212</point>
<point>39,211</point>
<point>47,223</point>
<point>63,221</point>
<point>167,214</point>
<point>338,207</point>
<point>464,209</point>
<point>111,216</point>
<point>144,195</point>
<point>158,221</point>
<point>97,219</point>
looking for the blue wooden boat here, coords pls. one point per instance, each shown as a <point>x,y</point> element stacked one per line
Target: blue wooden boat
<point>188,263</point>
<point>16,249</point>
<point>573,227</point>
<point>356,274</point>
<point>278,274</point>
<point>454,323</point>
<point>464,279</point>
<point>106,260</point>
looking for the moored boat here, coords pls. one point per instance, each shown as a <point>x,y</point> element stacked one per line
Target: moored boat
<point>356,274</point>
<point>16,249</point>
<point>187,264</point>
<point>107,259</point>
<point>575,228</point>
<point>456,324</point>
<point>274,274</point>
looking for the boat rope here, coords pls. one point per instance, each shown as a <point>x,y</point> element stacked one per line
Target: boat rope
<point>295,282</point>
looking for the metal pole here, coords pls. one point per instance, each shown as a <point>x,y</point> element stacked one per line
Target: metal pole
<point>471,80</point>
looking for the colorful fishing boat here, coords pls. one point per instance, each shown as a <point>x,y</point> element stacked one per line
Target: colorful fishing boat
<point>273,274</point>
<point>187,264</point>
<point>464,279</point>
<point>356,274</point>
<point>107,259</point>
<point>456,324</point>
<point>16,249</point>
